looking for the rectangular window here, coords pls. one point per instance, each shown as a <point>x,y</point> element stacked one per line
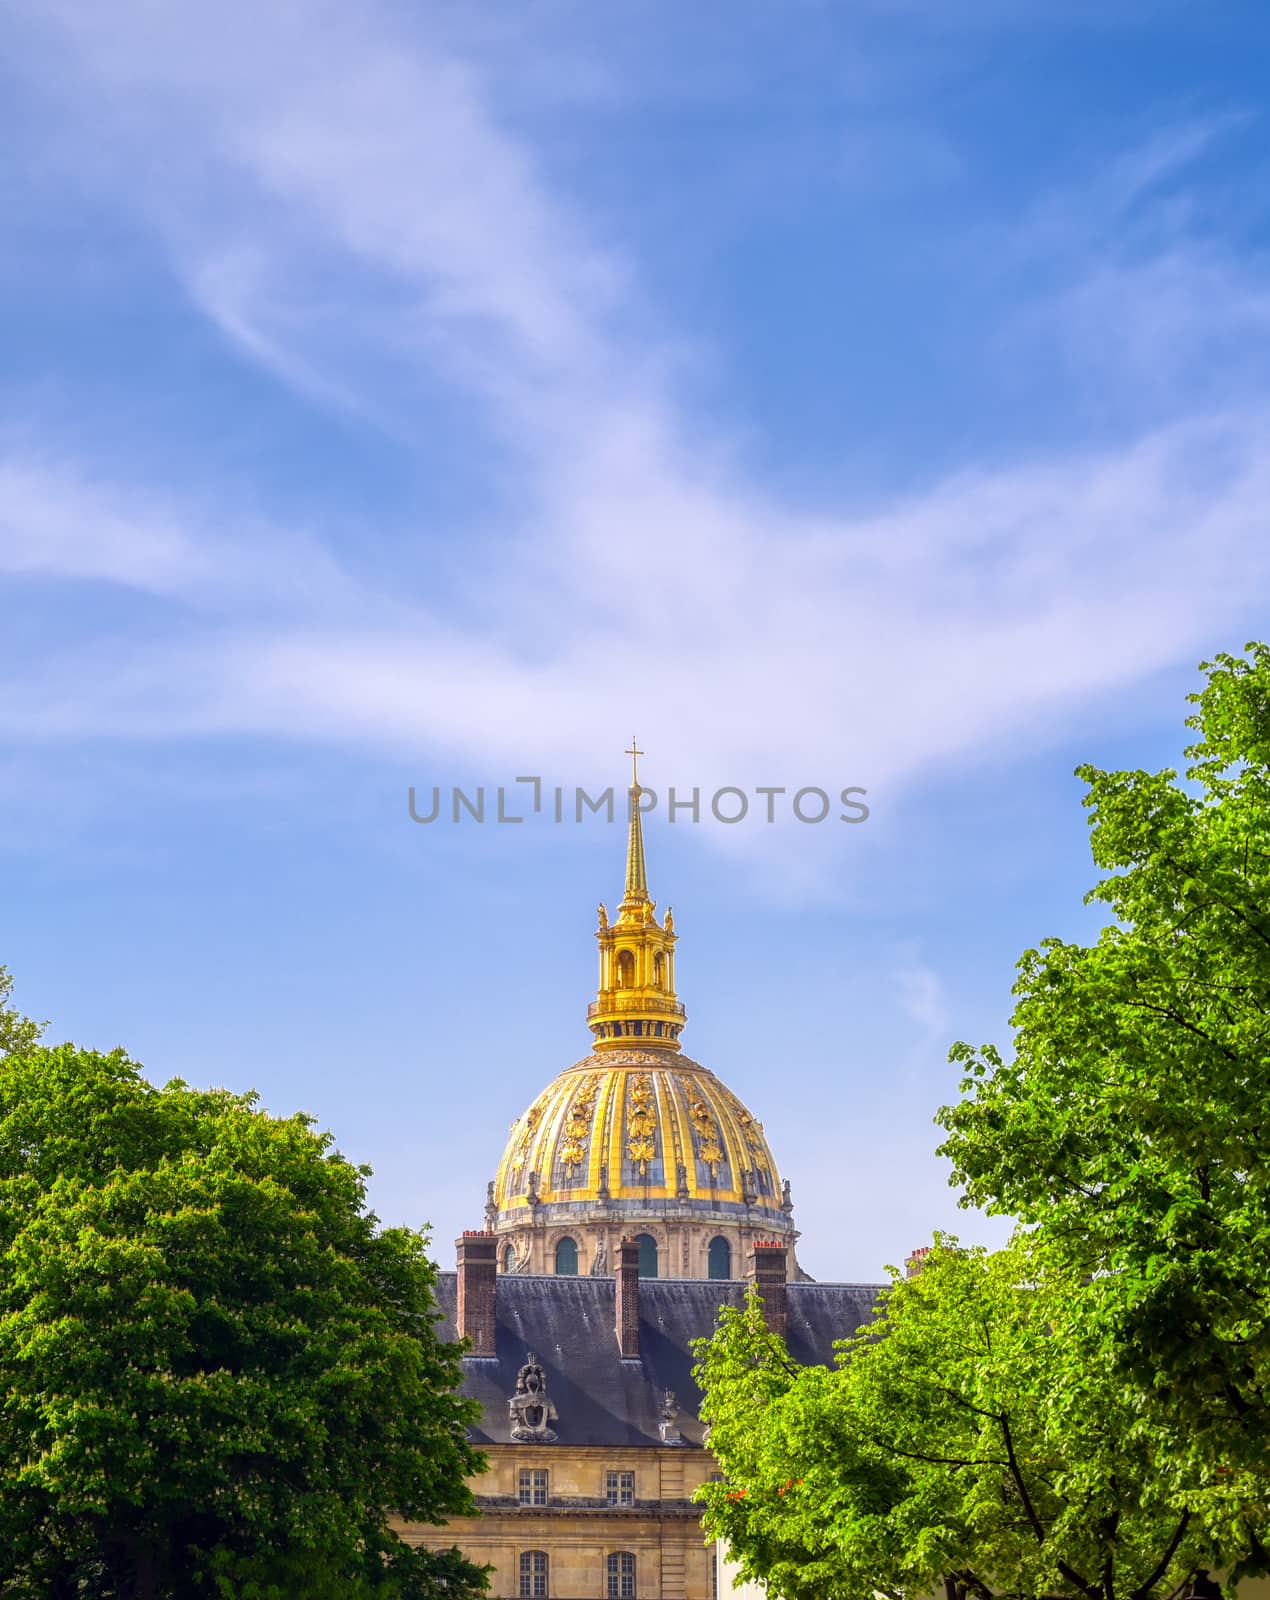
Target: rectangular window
<point>619,1488</point>
<point>533,1574</point>
<point>533,1486</point>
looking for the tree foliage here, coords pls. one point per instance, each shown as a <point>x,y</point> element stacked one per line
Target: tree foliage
<point>972,1438</point>
<point>221,1377</point>
<point>16,1031</point>
<point>1132,1126</point>
<point>1084,1413</point>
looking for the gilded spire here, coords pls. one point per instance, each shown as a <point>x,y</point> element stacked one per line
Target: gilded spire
<point>637,956</point>
<point>636,876</point>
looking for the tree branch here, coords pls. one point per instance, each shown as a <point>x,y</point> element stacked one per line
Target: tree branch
<point>1235,912</point>
<point>938,1461</point>
<point>1016,1473</point>
<point>1165,1561</point>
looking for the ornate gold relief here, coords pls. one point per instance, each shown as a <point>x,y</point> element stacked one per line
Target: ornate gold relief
<point>641,1122</point>
<point>532,1118</point>
<point>577,1130</point>
<point>708,1147</point>
<point>753,1131</point>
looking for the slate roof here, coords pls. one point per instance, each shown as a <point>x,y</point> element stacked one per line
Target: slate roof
<point>568,1324</point>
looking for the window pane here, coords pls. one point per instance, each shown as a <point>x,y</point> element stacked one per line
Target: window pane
<point>532,1486</point>
<point>621,1575</point>
<point>619,1488</point>
<point>533,1574</point>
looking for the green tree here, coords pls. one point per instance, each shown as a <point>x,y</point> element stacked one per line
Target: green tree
<point>221,1378</point>
<point>16,1031</point>
<point>970,1439</point>
<point>1132,1125</point>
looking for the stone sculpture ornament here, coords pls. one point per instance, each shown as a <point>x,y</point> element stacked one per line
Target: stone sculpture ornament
<point>529,1408</point>
<point>668,1416</point>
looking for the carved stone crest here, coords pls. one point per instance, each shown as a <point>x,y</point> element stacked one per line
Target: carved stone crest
<point>529,1408</point>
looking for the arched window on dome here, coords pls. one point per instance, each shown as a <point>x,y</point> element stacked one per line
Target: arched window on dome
<point>659,971</point>
<point>567,1258</point>
<point>647,1255</point>
<point>625,969</point>
<point>719,1259</point>
<point>509,1257</point>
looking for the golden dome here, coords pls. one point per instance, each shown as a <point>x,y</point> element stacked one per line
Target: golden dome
<point>636,1135</point>
<point>628,1128</point>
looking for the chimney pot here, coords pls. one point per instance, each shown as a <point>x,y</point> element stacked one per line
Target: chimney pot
<point>767,1267</point>
<point>627,1299</point>
<point>478,1289</point>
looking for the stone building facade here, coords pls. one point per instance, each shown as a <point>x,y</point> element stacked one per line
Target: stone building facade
<point>589,1487</point>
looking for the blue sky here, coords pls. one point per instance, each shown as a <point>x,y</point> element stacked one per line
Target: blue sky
<point>398,395</point>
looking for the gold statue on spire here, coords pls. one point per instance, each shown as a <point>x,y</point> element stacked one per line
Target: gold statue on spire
<point>636,999</point>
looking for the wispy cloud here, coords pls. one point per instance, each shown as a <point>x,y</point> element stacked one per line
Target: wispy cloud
<point>645,567</point>
<point>1139,288</point>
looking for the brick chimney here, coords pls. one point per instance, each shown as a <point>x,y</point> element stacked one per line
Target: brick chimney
<point>628,1300</point>
<point>916,1261</point>
<point>478,1280</point>
<point>766,1267</point>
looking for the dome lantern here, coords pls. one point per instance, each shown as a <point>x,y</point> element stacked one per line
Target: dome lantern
<point>636,998</point>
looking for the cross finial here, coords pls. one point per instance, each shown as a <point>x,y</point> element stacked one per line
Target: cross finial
<point>634,752</point>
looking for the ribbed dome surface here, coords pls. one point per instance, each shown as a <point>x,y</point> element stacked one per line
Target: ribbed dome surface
<point>637,1125</point>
